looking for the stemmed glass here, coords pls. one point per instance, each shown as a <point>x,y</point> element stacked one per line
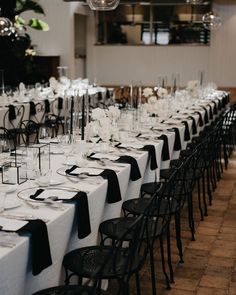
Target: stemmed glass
<point>31,164</point>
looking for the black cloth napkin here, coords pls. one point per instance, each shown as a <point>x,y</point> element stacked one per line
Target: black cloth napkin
<point>108,94</point>
<point>32,108</point>
<point>215,107</point>
<point>194,125</point>
<point>12,112</point>
<point>165,154</point>
<point>210,112</point>
<point>152,155</point>
<point>186,131</point>
<point>177,143</point>
<point>82,210</point>
<point>100,95</point>
<point>36,194</point>
<point>46,106</point>
<point>134,171</point>
<point>41,254</point>
<point>200,118</point>
<point>60,103</point>
<point>206,119</point>
<point>83,217</point>
<point>113,188</point>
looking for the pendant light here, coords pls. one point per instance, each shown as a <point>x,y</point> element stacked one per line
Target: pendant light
<point>103,4</point>
<point>5,26</point>
<point>194,2</point>
<point>211,21</point>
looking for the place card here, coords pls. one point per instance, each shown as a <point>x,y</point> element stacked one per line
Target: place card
<point>85,170</point>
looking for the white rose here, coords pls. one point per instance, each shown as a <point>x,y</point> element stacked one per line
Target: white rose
<point>152,100</point>
<point>98,114</point>
<point>147,92</point>
<point>162,92</point>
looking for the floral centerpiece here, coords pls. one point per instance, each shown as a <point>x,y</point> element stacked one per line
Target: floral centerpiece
<point>193,87</point>
<point>103,124</point>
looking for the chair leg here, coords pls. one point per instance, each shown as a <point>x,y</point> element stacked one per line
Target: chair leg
<point>137,283</point>
<point>204,194</point>
<point>169,255</point>
<point>208,187</point>
<point>199,199</point>
<point>178,236</point>
<point>190,215</point>
<point>153,278</point>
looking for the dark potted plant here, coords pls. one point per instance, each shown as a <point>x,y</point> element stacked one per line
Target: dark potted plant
<point>14,48</point>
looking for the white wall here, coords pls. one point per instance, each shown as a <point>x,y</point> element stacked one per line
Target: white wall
<point>121,64</point>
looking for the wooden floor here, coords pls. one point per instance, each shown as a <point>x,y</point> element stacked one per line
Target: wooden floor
<point>209,266</point>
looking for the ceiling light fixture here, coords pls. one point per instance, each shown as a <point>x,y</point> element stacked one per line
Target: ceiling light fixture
<point>103,4</point>
<point>211,21</point>
<point>5,26</point>
<point>194,2</point>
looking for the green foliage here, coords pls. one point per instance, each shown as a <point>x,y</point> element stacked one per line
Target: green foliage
<point>34,23</point>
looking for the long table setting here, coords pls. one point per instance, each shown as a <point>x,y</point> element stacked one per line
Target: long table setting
<point>69,186</point>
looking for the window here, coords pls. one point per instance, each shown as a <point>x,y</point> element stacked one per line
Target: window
<point>137,24</point>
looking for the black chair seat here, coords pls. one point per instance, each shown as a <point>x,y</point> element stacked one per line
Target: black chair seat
<point>86,261</point>
<point>138,206</point>
<point>71,290</point>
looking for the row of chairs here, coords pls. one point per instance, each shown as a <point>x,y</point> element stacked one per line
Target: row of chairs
<point>127,241</point>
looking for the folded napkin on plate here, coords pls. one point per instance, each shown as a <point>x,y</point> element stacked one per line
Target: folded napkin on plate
<point>165,154</point>
<point>32,108</point>
<point>152,155</point>
<point>206,119</point>
<point>194,125</point>
<point>210,112</point>
<point>59,103</point>
<point>113,188</point>
<point>82,210</point>
<point>200,118</point>
<point>46,106</point>
<point>12,112</point>
<point>41,254</point>
<point>134,171</point>
<point>186,131</point>
<point>177,143</point>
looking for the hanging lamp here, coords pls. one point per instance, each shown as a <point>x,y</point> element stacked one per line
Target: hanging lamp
<point>5,26</point>
<point>103,4</point>
<point>211,21</point>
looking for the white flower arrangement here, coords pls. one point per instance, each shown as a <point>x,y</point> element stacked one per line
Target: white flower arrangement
<point>98,114</point>
<point>113,113</point>
<point>101,124</point>
<point>147,92</point>
<point>193,87</point>
<point>152,100</point>
<point>162,92</point>
<point>193,84</point>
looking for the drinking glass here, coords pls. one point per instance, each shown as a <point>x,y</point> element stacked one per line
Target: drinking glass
<point>2,197</point>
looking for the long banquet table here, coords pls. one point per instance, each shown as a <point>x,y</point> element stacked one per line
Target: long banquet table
<point>15,262</point>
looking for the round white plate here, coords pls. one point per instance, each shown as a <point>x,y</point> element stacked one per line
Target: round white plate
<point>52,182</point>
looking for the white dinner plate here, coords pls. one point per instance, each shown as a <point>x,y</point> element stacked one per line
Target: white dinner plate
<point>11,203</point>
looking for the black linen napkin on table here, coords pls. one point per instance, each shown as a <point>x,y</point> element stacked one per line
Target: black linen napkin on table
<point>206,119</point>
<point>108,94</point>
<point>59,103</point>
<point>177,143</point>
<point>194,125</point>
<point>152,155</point>
<point>215,107</point>
<point>32,108</point>
<point>186,131</point>
<point>46,106</point>
<point>200,118</point>
<point>113,187</point>
<point>82,210</point>
<point>165,154</point>
<point>134,170</point>
<point>12,112</point>
<point>99,95</point>
<point>41,254</point>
